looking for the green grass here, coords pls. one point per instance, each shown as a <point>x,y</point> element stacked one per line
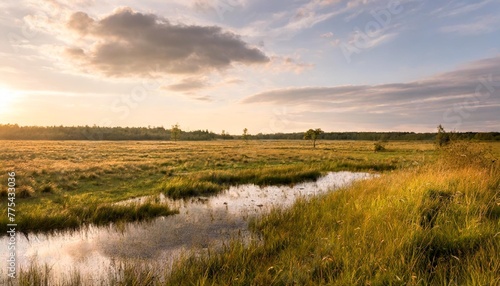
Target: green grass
<point>210,182</point>
<point>57,181</point>
<point>71,216</point>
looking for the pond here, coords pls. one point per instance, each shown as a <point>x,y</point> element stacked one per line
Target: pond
<point>202,223</point>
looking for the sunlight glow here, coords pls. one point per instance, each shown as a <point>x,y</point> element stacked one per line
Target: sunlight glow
<point>7,100</point>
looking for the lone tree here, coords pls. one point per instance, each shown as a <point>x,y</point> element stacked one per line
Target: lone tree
<point>312,134</point>
<point>245,135</point>
<point>442,138</point>
<point>175,132</point>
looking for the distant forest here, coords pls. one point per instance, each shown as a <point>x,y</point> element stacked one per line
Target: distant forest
<point>15,132</point>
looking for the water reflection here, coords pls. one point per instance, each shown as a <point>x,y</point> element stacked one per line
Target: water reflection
<point>201,223</point>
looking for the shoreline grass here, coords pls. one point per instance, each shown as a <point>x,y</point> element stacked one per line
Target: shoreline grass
<point>73,217</point>
<point>212,182</point>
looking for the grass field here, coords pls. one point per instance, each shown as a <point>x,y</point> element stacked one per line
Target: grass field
<point>435,224</point>
<point>432,217</point>
<point>66,184</point>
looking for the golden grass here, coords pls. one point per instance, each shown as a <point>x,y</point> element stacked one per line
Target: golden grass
<point>376,232</point>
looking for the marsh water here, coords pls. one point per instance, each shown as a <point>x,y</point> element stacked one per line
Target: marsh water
<point>202,223</point>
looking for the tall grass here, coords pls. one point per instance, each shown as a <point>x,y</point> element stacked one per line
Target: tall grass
<point>75,216</point>
<point>433,224</point>
<point>134,272</point>
<point>437,224</point>
<point>210,182</point>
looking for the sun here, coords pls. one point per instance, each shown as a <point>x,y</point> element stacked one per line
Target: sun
<point>7,99</point>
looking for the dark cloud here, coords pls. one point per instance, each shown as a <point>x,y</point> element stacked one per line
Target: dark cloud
<point>129,43</point>
<point>74,52</point>
<point>470,93</point>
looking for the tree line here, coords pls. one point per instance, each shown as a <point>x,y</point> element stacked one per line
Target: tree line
<point>16,132</point>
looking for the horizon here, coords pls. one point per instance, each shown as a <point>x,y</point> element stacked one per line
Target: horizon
<point>239,134</point>
<point>280,67</point>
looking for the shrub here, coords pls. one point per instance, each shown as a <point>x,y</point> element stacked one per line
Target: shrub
<point>442,137</point>
<point>378,147</point>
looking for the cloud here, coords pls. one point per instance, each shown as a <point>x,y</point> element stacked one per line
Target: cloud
<point>220,6</point>
<point>74,52</point>
<point>281,64</point>
<point>379,23</point>
<point>128,43</point>
<point>188,84</point>
<point>234,81</point>
<point>455,9</point>
<point>205,98</point>
<point>327,35</point>
<point>364,41</point>
<point>442,87</point>
<point>80,22</point>
<point>481,25</point>
<point>453,97</point>
<point>305,18</point>
<point>200,88</point>
<point>293,19</point>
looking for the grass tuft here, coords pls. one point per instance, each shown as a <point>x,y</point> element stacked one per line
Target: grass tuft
<point>181,187</point>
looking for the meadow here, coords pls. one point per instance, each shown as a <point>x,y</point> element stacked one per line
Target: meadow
<point>431,224</point>
<point>68,184</point>
<point>432,217</point>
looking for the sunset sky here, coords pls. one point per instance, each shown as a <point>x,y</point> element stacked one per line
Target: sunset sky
<point>269,66</point>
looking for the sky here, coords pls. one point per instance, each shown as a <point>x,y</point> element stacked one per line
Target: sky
<point>269,66</point>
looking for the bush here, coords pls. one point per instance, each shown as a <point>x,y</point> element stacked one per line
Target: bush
<point>442,137</point>
<point>378,147</point>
